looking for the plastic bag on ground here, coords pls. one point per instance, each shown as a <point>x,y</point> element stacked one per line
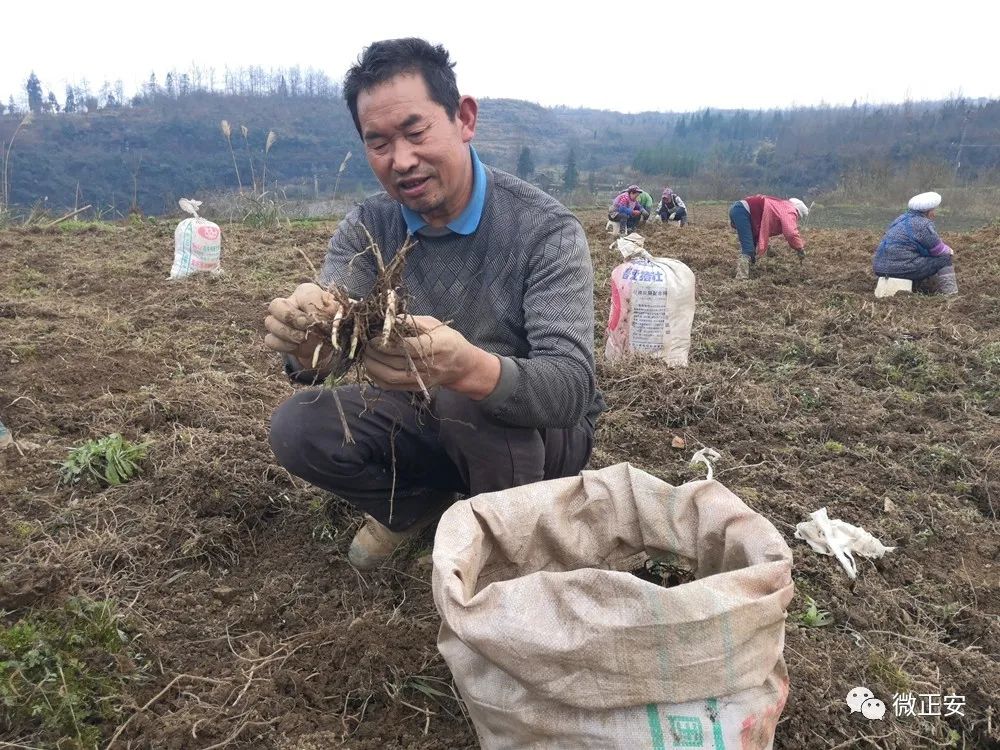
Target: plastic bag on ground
<point>554,645</point>
<point>197,244</point>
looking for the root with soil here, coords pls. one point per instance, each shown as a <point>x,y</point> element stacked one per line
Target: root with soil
<point>381,316</point>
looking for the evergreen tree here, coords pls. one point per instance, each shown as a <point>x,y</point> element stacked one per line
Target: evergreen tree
<point>525,164</point>
<point>571,178</point>
<point>107,97</point>
<point>52,105</point>
<point>34,89</point>
<point>11,107</point>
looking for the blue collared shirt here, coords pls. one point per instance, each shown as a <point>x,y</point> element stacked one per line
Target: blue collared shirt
<point>467,221</point>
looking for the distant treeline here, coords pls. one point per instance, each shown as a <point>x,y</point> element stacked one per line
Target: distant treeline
<point>145,150</point>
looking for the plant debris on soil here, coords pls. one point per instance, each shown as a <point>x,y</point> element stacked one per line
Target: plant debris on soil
<point>246,626</point>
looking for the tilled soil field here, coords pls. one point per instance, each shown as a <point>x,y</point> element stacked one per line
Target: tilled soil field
<point>208,603</point>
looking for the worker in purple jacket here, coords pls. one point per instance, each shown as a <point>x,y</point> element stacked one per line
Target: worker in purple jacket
<point>911,248</point>
<point>625,209</point>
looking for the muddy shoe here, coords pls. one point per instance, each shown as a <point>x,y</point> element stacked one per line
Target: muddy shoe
<point>743,267</point>
<point>375,543</point>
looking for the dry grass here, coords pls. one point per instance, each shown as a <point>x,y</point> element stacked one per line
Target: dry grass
<point>257,634</point>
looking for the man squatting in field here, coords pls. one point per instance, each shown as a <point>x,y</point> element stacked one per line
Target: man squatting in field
<point>500,283</point>
<point>672,208</point>
<point>757,218</point>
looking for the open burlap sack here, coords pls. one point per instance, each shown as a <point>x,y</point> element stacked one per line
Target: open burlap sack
<point>553,644</point>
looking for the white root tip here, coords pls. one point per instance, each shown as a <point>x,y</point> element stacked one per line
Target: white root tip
<point>335,329</point>
<point>390,314</point>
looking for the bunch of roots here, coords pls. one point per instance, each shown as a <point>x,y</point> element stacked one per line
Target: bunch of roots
<point>380,317</point>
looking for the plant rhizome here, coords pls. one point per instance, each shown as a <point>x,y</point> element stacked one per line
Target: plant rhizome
<point>381,316</point>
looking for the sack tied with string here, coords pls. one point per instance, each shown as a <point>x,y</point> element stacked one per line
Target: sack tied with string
<point>652,305</point>
<point>197,243</point>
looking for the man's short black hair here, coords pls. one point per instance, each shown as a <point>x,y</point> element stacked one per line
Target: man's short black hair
<point>383,60</point>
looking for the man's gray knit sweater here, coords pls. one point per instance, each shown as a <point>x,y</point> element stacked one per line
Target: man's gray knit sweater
<point>521,286</point>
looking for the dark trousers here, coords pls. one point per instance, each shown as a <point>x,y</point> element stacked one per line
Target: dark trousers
<point>739,219</point>
<point>918,269</point>
<point>680,215</point>
<point>415,456</point>
<point>627,226</point>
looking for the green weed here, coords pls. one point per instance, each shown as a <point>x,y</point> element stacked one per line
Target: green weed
<point>944,459</point>
<point>812,616</point>
<point>72,226</point>
<point>907,365</point>
<point>110,461</point>
<point>58,678</point>
<point>30,279</point>
<point>261,211</point>
<point>989,355</point>
<point>832,446</point>
<point>809,399</point>
<point>805,351</point>
<point>889,674</point>
<point>24,351</point>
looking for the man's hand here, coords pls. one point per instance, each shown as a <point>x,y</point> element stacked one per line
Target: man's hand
<point>801,254</point>
<point>289,319</point>
<point>438,356</point>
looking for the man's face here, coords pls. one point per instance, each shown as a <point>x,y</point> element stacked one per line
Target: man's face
<point>420,156</point>
<point>634,195</point>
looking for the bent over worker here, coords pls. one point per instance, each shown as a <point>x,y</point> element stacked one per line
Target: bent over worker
<point>757,218</point>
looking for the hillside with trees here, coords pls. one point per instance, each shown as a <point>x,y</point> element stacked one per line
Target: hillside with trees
<point>143,152</point>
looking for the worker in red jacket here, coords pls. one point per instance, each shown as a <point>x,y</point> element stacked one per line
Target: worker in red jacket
<point>757,219</point>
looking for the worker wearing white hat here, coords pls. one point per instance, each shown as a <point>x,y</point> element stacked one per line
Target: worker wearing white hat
<point>911,248</point>
<point>758,218</point>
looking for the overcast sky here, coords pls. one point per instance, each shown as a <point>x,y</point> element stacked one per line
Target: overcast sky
<point>625,56</point>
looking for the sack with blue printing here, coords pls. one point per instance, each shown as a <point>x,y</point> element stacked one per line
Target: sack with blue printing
<point>652,305</point>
